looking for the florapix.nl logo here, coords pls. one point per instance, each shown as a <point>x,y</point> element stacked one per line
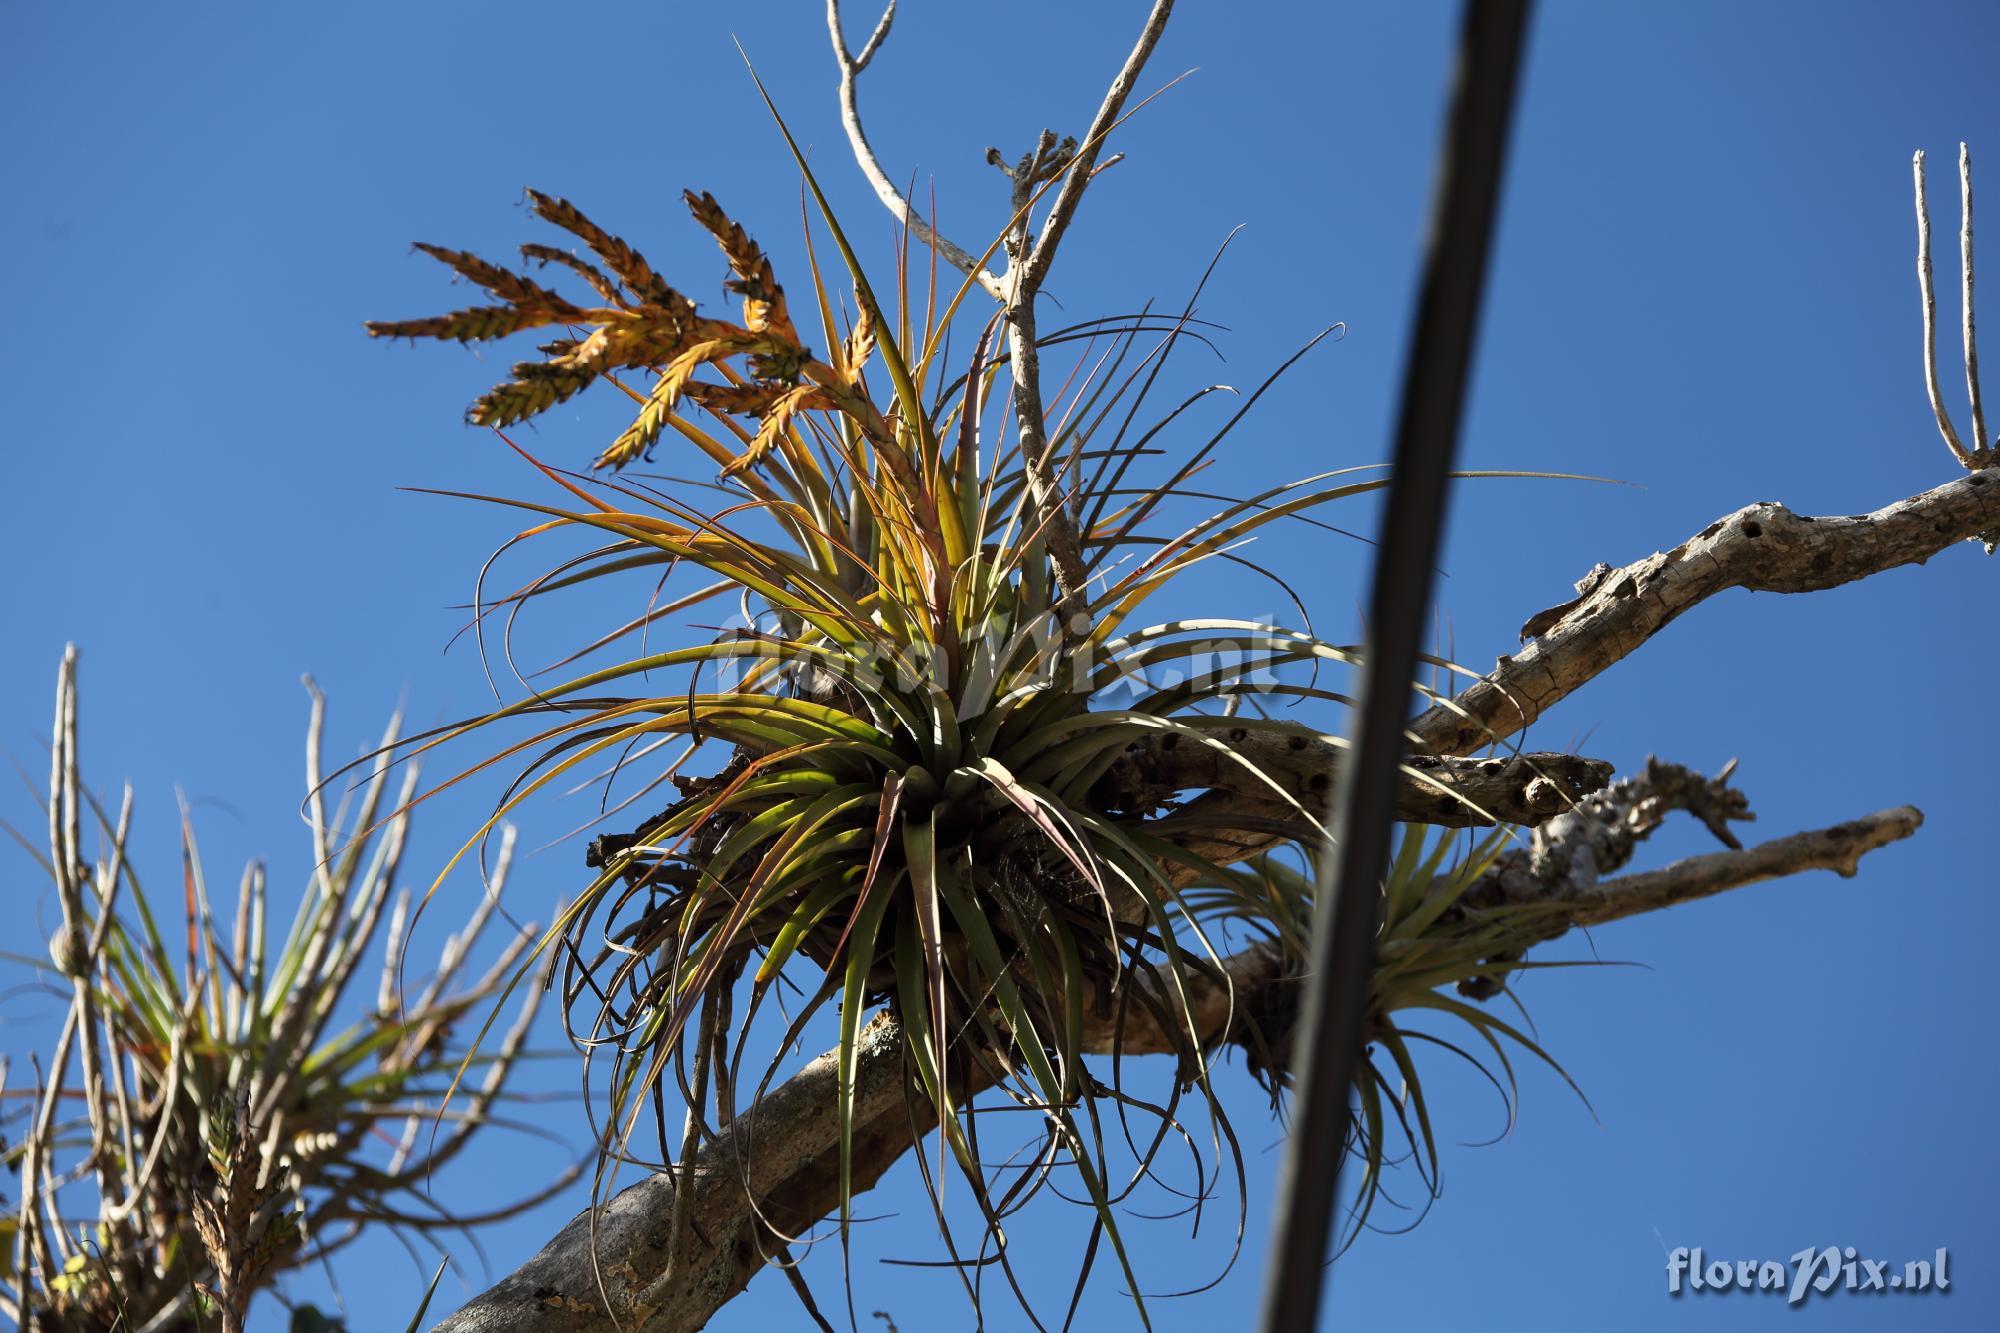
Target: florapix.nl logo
<point>1812,1271</point>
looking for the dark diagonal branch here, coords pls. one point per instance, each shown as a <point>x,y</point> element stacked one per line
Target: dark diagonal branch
<point>1452,792</point>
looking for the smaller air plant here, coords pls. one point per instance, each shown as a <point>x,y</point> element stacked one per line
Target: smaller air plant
<point>201,1126</point>
<point>1441,929</point>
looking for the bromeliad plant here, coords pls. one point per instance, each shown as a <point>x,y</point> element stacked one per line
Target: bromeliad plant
<point>927,800</point>
<point>1436,933</point>
<point>210,1118</point>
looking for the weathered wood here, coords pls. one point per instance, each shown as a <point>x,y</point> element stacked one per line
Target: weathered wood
<point>1761,547</point>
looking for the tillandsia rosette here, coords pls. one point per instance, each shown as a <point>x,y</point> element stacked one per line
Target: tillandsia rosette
<point>923,796</point>
<point>223,1106</point>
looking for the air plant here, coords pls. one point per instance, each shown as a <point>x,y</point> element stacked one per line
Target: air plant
<point>236,1118</point>
<point>926,801</point>
<point>1441,927</point>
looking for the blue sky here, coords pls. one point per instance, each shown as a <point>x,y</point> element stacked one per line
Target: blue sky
<point>1703,286</point>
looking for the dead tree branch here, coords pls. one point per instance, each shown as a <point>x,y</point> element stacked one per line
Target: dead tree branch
<point>1024,284</point>
<point>1223,1012</point>
<point>1838,849</point>
<point>851,65</point>
<point>1968,333</point>
<point>1926,286</point>
<point>1080,170</point>
<point>1568,859</point>
<point>1564,870</point>
<point>1762,547</point>
<point>1450,792</point>
<point>1981,453</point>
<point>1048,163</point>
<point>1045,488</point>
<point>784,1155</point>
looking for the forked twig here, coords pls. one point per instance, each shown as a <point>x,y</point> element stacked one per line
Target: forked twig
<point>1980,440</point>
<point>1083,169</point>
<point>851,66</point>
<point>1024,281</point>
<point>1021,284</point>
<point>1980,454</point>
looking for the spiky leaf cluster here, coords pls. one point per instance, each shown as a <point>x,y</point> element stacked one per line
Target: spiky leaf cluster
<point>1432,937</point>
<point>237,1113</point>
<point>922,802</point>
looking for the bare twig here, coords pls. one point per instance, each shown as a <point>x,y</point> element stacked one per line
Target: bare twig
<point>851,66</point>
<point>1981,442</point>
<point>1045,489</point>
<point>1081,171</point>
<point>1076,167</point>
<point>1838,849</point>
<point>1928,289</point>
<point>1018,289</point>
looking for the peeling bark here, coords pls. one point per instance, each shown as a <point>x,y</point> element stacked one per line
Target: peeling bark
<point>1762,547</point>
